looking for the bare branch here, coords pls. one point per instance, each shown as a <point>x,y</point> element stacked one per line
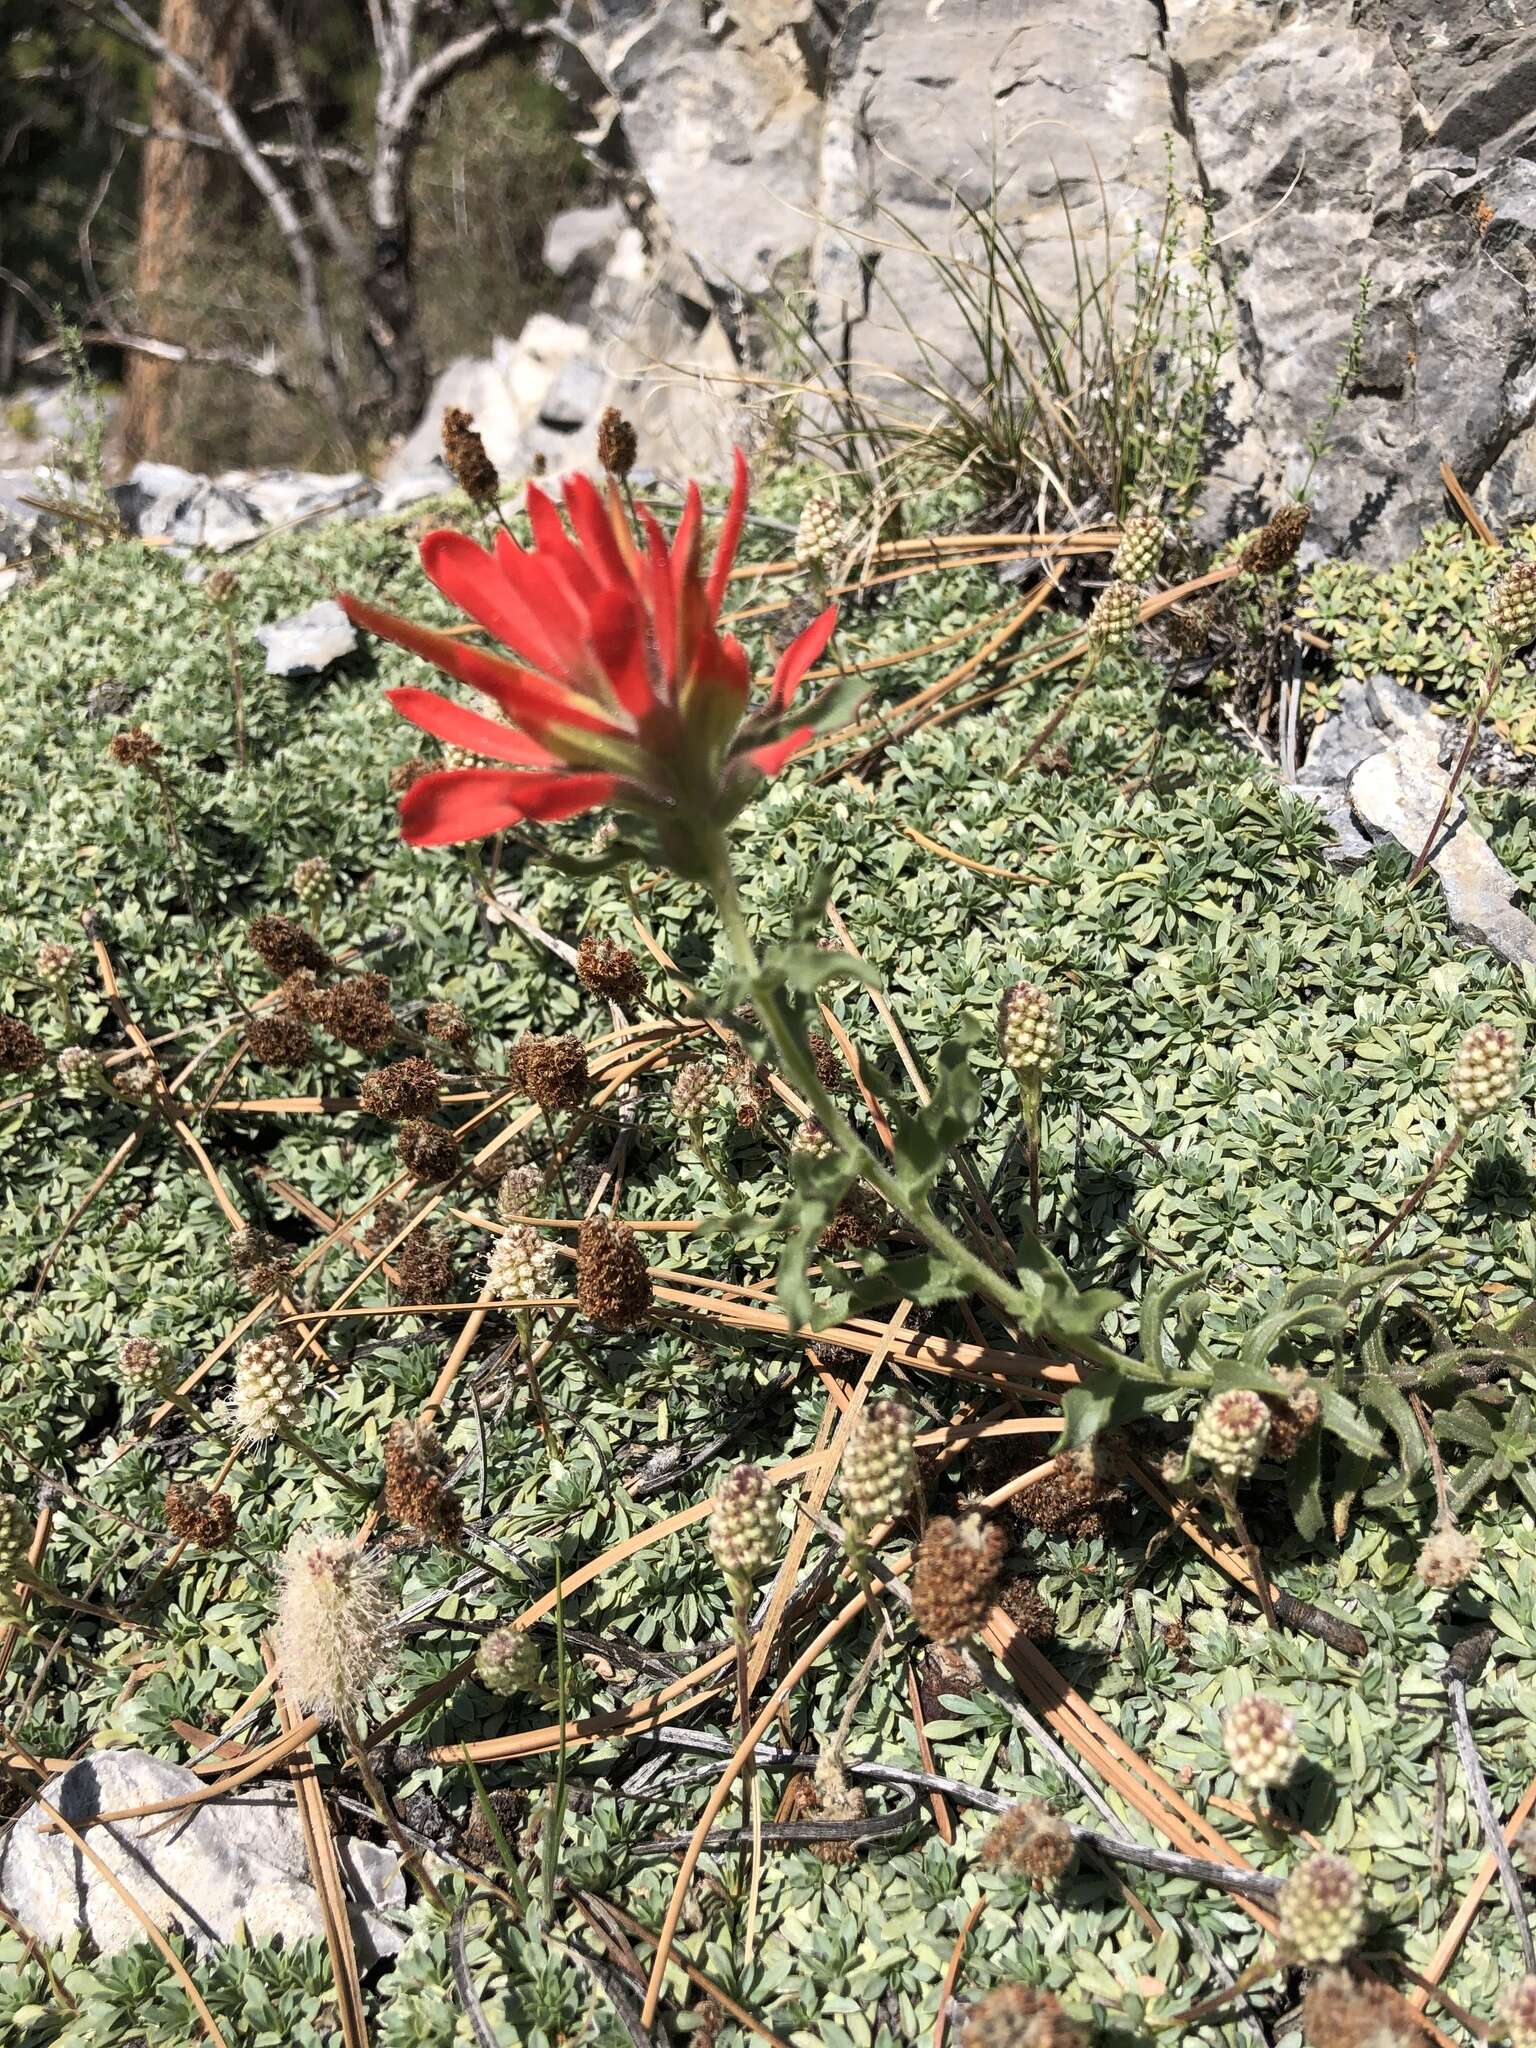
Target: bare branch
<point>301,119</point>
<point>276,152</point>
<point>267,366</point>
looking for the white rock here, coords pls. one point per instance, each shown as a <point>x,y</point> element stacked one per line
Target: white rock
<point>205,1871</point>
<point>308,641</point>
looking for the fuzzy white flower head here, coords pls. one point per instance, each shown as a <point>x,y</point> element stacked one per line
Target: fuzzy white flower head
<point>522,1265</point>
<point>337,1620</point>
<point>1259,1736</point>
<point>270,1382</point>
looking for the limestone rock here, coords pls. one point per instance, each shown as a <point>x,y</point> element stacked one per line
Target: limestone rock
<point>1379,767</point>
<point>308,641</point>
<point>233,1860</point>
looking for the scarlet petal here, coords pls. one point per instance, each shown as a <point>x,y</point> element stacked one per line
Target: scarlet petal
<point>471,803</point>
<point>730,533</point>
<point>619,642</point>
<point>530,701</point>
<point>803,652</point>
<point>460,727</point>
<point>771,759</point>
<point>478,583</point>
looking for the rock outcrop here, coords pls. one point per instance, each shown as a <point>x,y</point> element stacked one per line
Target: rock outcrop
<point>797,144</point>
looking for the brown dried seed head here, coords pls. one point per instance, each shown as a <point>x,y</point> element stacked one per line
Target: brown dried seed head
<point>861,1220</point>
<point>617,443</point>
<point>286,947</point>
<point>447,1023</point>
<point>427,1151</point>
<point>279,1039</point>
<point>21,1050</point>
<point>830,1071</point>
<point>1340,2011</point>
<point>1275,544</point>
<point>550,1071</point>
<point>409,1087</point>
<point>609,971</point>
<point>417,1491</point>
<point>467,462</point>
<point>1030,1841</point>
<point>1019,2016</point>
<point>263,1262</point>
<point>194,1515</point>
<point>356,1012</point>
<point>613,1287</point>
<point>424,1267</point>
<point>1292,1417</point>
<point>135,748</point>
<point>1029,1610</point>
<point>955,1582</point>
<point>406,774</point>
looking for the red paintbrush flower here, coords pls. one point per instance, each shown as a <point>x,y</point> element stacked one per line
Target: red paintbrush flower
<point>622,690</point>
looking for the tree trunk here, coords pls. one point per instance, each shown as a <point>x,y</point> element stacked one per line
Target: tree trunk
<point>177,183</point>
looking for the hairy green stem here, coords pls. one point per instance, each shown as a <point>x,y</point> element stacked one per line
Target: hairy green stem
<point>800,1068</point>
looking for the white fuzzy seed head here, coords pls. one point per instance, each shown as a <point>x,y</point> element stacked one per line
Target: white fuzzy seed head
<point>1448,1558</point>
<point>1259,1736</point>
<point>522,1265</point>
<point>1517,2011</point>
<point>336,1625</point>
<point>508,1662</point>
<point>811,1141</point>
<point>1231,1431</point>
<point>270,1383</point>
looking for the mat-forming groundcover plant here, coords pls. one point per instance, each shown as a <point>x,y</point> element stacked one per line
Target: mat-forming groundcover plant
<point>822,1656</point>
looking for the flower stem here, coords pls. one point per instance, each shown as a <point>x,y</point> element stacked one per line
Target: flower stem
<point>800,1068</point>
<point>1437,1166</point>
<point>1474,727</point>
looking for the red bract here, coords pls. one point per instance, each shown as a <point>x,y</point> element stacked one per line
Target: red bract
<point>622,690</point>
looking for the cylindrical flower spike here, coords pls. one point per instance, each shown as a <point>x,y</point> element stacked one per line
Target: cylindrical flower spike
<point>523,1265</point>
<point>142,1366</point>
<point>1321,1909</point>
<point>878,1470</point>
<point>1512,606</point>
<point>744,1534</point>
<point>818,536</point>
<point>270,1384</point>
<point>1259,1736</point>
<point>1112,622</point>
<point>1485,1074</point>
<point>1140,549</point>
<point>1028,1033</point>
